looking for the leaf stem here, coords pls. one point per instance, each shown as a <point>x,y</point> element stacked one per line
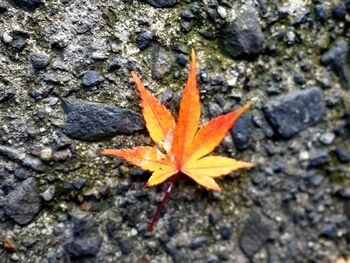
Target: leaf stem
<point>155,216</point>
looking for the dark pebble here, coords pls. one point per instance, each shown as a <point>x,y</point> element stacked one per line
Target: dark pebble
<point>143,40</point>
<point>161,3</point>
<point>114,65</point>
<point>217,80</point>
<point>226,232</point>
<point>104,191</point>
<point>298,78</point>
<point>185,26</point>
<point>301,19</point>
<point>110,229</point>
<point>180,49</point>
<point>24,203</point>
<point>124,245</point>
<point>336,59</point>
<point>342,154</point>
<point>347,5</point>
<point>171,230</point>
<point>241,132</point>
<point>187,15</point>
<point>313,179</point>
<point>167,96</point>
<point>79,183</point>
<point>290,114</point>
<point>314,218</point>
<point>20,174</point>
<point>19,44</point>
<point>94,121</point>
<point>39,60</point>
<point>181,59</point>
<point>61,140</point>
<point>329,231</point>
<point>243,37</point>
<point>198,242</point>
<point>67,186</point>
<point>172,249</point>
<point>339,128</point>
<point>92,78</point>
<point>214,110</point>
<point>223,256</point>
<point>277,77</point>
<point>85,240</point>
<point>339,12</point>
<point>214,218</point>
<point>29,5</point>
<point>318,158</point>
<point>206,34</point>
<point>3,8</point>
<point>255,234</point>
<point>321,13</point>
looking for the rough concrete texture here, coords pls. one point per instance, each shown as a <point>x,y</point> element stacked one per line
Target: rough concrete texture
<point>293,206</point>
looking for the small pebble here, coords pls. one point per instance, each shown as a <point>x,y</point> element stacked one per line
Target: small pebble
<point>342,154</point>
<point>143,40</point>
<point>62,155</point>
<point>7,38</point>
<point>39,60</point>
<point>222,11</point>
<point>49,193</point>
<point>46,154</point>
<point>19,44</point>
<point>79,183</point>
<point>327,138</point>
<point>92,78</point>
<point>9,246</point>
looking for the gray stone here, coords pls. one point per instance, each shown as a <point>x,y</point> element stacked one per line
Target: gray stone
<point>342,154</point>
<point>318,158</point>
<point>327,138</point>
<point>24,203</point>
<point>29,5</point>
<point>161,3</point>
<point>39,60</point>
<point>242,38</point>
<point>336,59</point>
<point>92,78</point>
<point>23,158</point>
<point>49,193</point>
<point>241,132</point>
<point>62,155</point>
<point>143,40</point>
<point>254,235</point>
<point>162,63</point>
<point>198,242</point>
<point>95,122</point>
<point>85,240</point>
<point>290,114</point>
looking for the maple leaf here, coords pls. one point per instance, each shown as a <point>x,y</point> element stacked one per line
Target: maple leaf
<point>182,147</point>
<point>342,260</point>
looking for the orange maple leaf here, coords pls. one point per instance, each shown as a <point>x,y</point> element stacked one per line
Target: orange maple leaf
<point>182,146</point>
